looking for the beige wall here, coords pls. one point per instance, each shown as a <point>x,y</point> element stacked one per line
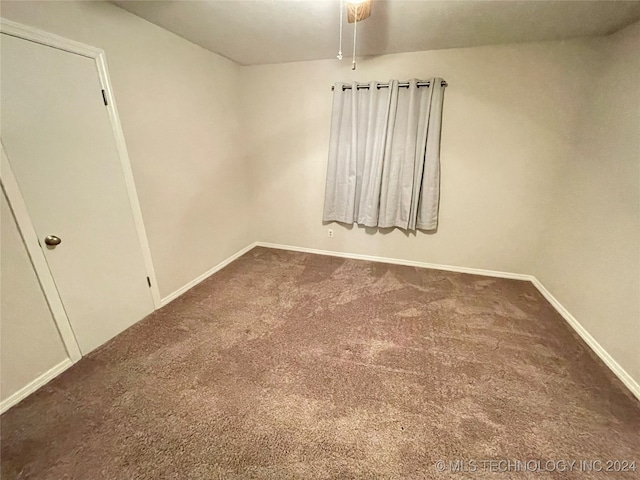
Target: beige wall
<point>178,108</point>
<point>29,341</point>
<point>509,113</point>
<point>589,255</point>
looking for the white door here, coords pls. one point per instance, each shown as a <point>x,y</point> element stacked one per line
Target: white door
<point>57,136</point>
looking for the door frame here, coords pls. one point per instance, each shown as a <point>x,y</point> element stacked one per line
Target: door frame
<point>25,32</point>
<point>36,255</point>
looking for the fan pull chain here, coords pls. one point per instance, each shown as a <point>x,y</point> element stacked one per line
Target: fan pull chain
<point>355,37</point>
<point>341,16</point>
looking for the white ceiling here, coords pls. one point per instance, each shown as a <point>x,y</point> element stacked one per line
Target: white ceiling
<point>253,32</point>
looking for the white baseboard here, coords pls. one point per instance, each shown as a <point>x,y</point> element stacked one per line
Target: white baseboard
<point>398,261</point>
<point>31,387</point>
<point>599,350</point>
<point>624,377</point>
<point>62,366</point>
<point>205,275</point>
<point>608,360</point>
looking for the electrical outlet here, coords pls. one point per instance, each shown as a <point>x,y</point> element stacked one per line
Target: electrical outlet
<point>330,231</point>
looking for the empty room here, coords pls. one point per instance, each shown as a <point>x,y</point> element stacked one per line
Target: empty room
<point>320,239</point>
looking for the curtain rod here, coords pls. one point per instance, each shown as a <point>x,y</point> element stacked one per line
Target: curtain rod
<point>386,85</point>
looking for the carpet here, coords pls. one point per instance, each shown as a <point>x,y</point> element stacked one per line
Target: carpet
<point>288,365</point>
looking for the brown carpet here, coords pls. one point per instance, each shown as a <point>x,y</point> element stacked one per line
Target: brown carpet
<point>288,365</point>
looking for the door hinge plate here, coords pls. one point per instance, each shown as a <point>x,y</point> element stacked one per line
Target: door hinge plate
<point>104,97</point>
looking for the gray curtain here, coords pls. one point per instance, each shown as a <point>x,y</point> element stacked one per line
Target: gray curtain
<point>384,156</point>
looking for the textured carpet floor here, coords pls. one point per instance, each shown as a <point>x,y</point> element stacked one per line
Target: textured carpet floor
<point>288,365</point>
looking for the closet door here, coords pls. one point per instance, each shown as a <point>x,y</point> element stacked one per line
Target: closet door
<point>57,136</point>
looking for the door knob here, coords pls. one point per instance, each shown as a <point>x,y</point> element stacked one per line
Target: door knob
<point>52,240</point>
